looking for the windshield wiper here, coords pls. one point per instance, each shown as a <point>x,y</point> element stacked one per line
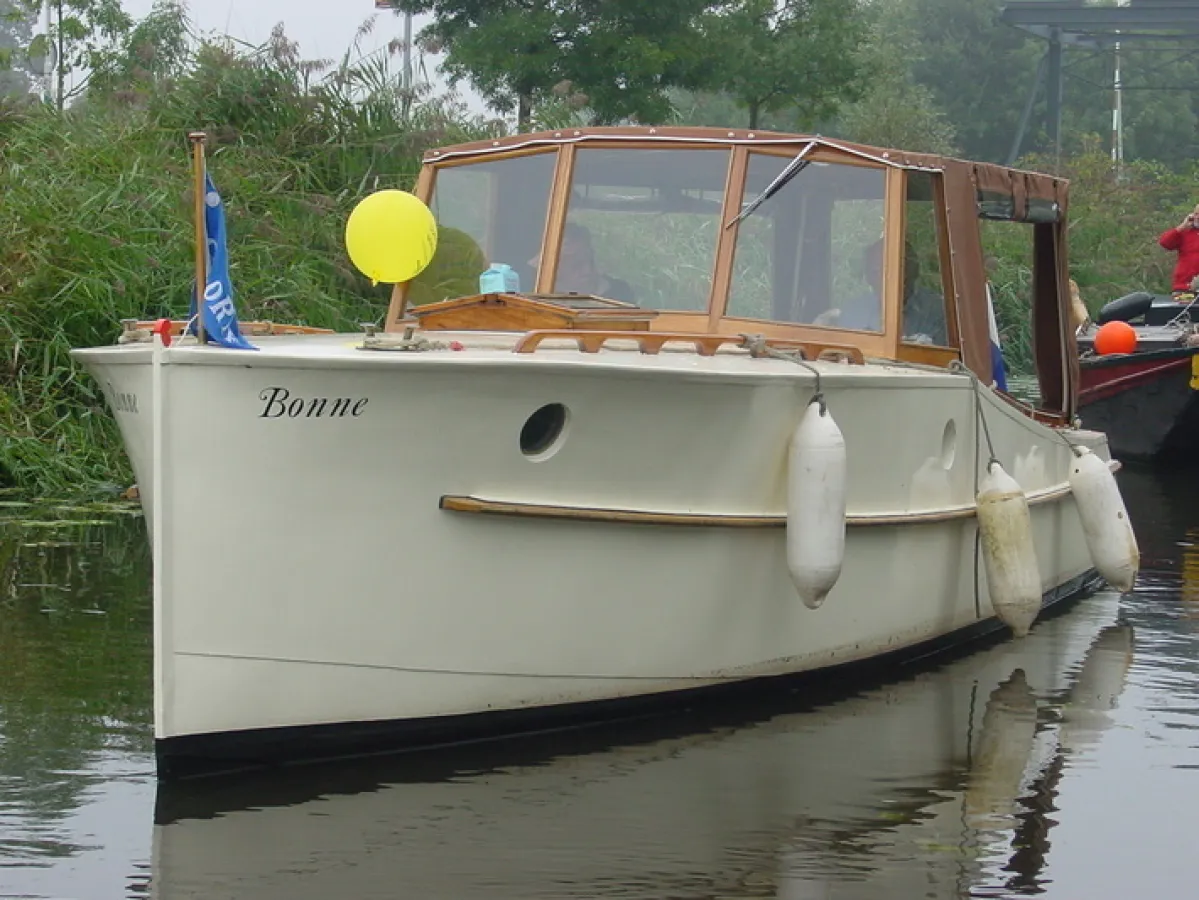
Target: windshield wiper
<point>794,167</point>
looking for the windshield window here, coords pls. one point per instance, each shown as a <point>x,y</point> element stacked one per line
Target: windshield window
<point>642,226</point>
<point>486,212</point>
<point>812,253</point>
<point>924,314</point>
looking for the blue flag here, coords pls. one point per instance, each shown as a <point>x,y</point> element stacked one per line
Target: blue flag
<point>998,367</point>
<point>220,315</point>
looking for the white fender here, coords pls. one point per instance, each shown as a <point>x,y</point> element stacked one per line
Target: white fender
<point>1006,742</point>
<point>1009,557</point>
<point>816,504</point>
<point>1105,521</point>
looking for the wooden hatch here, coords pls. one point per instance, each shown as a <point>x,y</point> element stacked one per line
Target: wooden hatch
<point>529,312</point>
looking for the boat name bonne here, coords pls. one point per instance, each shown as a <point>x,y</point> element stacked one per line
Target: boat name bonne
<point>279,403</point>
<point>122,401</point>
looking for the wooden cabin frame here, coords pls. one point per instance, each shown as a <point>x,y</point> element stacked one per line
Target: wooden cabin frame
<point>964,193</point>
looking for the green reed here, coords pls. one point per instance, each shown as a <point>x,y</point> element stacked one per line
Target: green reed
<point>95,214</point>
<point>96,218</point>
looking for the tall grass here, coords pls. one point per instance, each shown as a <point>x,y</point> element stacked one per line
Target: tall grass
<point>96,222</point>
<point>95,218</point>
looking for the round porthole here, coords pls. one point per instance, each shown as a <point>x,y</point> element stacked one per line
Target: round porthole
<point>542,431</point>
<point>949,444</point>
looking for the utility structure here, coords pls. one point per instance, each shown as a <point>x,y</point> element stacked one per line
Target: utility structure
<point>1082,25</point>
<point>390,4</point>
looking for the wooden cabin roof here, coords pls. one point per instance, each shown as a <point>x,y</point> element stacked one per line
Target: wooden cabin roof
<point>988,176</point>
<point>971,190</point>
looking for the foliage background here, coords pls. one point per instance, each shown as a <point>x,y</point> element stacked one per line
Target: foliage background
<point>94,215</point>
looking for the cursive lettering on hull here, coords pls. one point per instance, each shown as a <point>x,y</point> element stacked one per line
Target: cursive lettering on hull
<point>279,403</point>
<point>122,401</point>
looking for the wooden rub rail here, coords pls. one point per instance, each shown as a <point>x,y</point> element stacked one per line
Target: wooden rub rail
<point>134,330</point>
<point>651,342</point>
<point>467,504</point>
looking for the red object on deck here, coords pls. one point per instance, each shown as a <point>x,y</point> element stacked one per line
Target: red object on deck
<point>162,328</point>
<point>1115,337</point>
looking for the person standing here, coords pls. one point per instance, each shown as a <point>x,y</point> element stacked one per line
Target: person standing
<point>1184,239</point>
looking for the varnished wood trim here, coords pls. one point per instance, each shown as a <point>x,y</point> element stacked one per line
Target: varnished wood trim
<point>398,305</point>
<point>822,152</point>
<point>651,342</point>
<point>675,320</point>
<point>551,240</point>
<point>248,329</point>
<point>460,503</point>
<point>895,212</point>
<point>722,275</point>
<point>869,343</point>
<point>451,162</point>
<point>927,354</point>
<point>468,504</point>
<point>1045,417</point>
<point>1040,185</point>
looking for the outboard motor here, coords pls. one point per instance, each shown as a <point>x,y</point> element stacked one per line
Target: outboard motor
<point>1126,308</point>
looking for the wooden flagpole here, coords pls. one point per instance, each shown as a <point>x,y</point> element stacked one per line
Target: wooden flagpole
<point>197,141</point>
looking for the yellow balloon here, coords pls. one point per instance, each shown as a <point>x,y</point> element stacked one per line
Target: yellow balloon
<point>391,236</point>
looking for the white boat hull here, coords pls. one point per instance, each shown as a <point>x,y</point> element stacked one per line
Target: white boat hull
<point>863,797</point>
<point>306,574</point>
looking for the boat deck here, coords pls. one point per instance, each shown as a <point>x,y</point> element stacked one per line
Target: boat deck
<point>498,349</point>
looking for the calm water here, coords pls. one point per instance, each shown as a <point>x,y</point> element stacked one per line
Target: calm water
<point>1064,765</point>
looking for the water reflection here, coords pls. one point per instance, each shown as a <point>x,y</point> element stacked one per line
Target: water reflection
<point>74,693</point>
<point>918,788</point>
<point>1058,766</point>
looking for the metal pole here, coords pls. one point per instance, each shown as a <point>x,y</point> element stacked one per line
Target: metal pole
<point>1024,116</point>
<point>1118,111</point>
<point>1055,93</point>
<point>407,51</point>
<point>197,142</point>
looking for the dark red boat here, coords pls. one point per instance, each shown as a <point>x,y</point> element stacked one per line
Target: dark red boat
<point>1147,401</point>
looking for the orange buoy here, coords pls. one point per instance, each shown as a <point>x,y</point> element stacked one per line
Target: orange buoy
<point>1115,337</point>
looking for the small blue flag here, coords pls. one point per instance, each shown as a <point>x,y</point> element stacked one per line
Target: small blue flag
<point>998,367</point>
<point>220,315</point>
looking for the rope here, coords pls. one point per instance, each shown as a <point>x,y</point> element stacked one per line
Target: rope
<point>410,341</point>
<point>757,347</point>
<point>958,366</point>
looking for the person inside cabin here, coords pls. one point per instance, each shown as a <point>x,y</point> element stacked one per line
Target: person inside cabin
<point>862,311</point>
<point>1183,239</point>
<point>578,272</point>
<point>923,310</point>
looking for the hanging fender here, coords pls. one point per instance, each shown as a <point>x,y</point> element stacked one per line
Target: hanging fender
<point>1009,557</point>
<point>816,481</point>
<point>1105,523</point>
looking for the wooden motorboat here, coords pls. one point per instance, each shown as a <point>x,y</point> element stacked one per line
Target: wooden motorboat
<point>1146,400</point>
<point>736,422</point>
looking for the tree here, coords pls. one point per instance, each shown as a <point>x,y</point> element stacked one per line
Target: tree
<point>772,55</point>
<point>15,33</point>
<point>154,50</point>
<point>617,57</point>
<point>978,70</point>
<point>84,32</point>
<point>893,111</point>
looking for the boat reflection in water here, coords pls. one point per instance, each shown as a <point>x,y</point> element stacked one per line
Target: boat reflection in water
<point>934,786</point>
